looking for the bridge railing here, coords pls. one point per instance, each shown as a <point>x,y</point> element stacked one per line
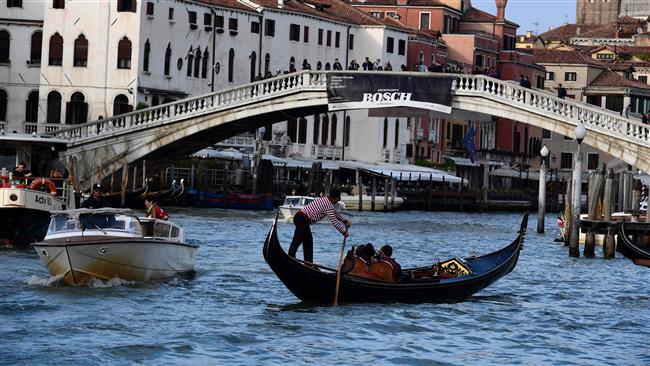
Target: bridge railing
<point>193,106</point>
<point>593,118</point>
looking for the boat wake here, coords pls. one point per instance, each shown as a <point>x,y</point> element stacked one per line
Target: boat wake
<point>53,281</point>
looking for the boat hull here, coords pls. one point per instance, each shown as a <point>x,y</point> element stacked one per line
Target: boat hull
<point>125,258</point>
<point>352,203</point>
<point>236,201</point>
<point>289,212</point>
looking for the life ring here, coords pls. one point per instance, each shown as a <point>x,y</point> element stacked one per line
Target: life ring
<point>38,182</point>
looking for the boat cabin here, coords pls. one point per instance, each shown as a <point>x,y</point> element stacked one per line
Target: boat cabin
<point>111,222</point>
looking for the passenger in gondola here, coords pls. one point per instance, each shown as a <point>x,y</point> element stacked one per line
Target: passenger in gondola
<point>96,200</point>
<point>153,210</point>
<point>311,214</point>
<point>366,252</point>
<point>385,254</point>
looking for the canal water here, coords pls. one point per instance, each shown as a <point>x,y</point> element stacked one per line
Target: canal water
<point>551,310</point>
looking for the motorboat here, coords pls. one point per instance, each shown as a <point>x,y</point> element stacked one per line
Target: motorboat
<point>352,202</point>
<point>293,204</point>
<point>26,203</point>
<point>105,243</point>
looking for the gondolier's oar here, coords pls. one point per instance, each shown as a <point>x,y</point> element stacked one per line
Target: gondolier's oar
<point>338,272</point>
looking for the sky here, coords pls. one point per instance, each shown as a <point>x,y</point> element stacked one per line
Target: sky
<point>534,15</point>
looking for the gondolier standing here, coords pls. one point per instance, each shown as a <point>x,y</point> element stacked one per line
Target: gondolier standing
<point>311,214</point>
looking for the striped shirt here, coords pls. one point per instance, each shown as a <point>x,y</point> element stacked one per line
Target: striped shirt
<point>317,209</point>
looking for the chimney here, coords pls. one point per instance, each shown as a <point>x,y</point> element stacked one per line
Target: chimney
<point>280,4</point>
<point>402,2</point>
<point>501,9</point>
<point>529,34</point>
<point>578,31</point>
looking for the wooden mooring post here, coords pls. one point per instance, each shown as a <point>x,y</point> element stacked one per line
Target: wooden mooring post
<point>595,189</point>
<point>636,198</point>
<point>567,212</point>
<point>385,194</point>
<point>609,245</point>
<point>373,193</point>
<point>393,193</point>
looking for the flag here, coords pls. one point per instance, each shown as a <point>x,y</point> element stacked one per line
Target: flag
<point>468,143</point>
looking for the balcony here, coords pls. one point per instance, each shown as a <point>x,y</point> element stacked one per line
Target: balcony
<point>327,152</point>
<point>37,128</point>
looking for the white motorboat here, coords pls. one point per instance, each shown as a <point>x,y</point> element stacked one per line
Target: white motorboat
<point>26,203</point>
<point>352,202</point>
<point>293,204</point>
<point>106,243</point>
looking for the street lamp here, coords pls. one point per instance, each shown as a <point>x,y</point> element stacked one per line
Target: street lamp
<point>541,206</point>
<point>574,248</point>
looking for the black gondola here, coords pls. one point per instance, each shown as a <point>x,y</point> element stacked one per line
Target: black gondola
<point>629,249</point>
<point>115,198</point>
<point>312,285</point>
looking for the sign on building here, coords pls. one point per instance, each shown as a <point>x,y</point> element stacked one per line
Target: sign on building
<point>379,90</point>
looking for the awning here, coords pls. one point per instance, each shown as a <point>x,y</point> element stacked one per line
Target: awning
<point>403,172</point>
<point>229,154</point>
<point>305,164</point>
<point>461,161</point>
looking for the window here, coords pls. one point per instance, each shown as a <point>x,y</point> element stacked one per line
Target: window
<point>253,63</point>
<point>643,78</point>
<point>385,141</point>
<point>269,27</point>
<point>592,161</point>
<point>337,39</point>
<point>546,134</point>
<point>392,14</point>
<point>401,47</point>
<point>31,107</point>
<point>218,21</point>
<point>605,56</point>
<point>333,130</point>
<point>207,21</point>
<point>570,76</point>
<point>150,6</point>
<point>539,81</point>
<point>377,14</point>
<point>192,19</point>
<point>126,5</point>
<point>76,110</point>
<point>80,57</point>
<point>190,62</point>
<point>35,52</point>
<point>3,105</point>
<point>424,21</point>
<point>204,69</point>
<point>14,3</point>
<point>396,133</point>
<point>302,130</point>
<point>231,65</point>
<point>53,107</point>
<point>305,34</point>
<point>292,129</point>
<point>325,130</point>
<point>255,27</point>
<point>58,4</point>
<point>445,24</point>
<point>509,42</point>
<point>346,132</point>
<point>390,44</point>
<point>124,54</point>
<point>121,105</point>
<point>5,41</point>
<point>320,37</point>
<point>566,160</point>
<point>232,25</point>
<point>351,40</point>
<point>197,63</point>
<point>267,64</point>
<point>294,32</point>
<point>56,50</point>
<point>170,14</point>
<point>168,58</point>
<point>329,38</point>
<point>316,128</point>
<point>145,58</point>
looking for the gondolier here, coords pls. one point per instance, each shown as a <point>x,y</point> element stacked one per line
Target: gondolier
<point>311,214</point>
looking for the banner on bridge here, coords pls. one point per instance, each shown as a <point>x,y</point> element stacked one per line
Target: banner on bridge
<point>380,90</point>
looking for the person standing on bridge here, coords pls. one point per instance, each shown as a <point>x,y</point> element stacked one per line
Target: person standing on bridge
<point>311,214</point>
<point>561,92</point>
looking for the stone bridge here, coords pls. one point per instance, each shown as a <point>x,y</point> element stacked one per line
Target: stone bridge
<point>185,126</point>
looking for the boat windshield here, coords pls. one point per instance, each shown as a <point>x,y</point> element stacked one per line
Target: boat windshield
<point>122,223</point>
<point>292,201</point>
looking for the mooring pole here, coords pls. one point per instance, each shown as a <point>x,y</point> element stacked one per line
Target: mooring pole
<point>574,246</point>
<point>541,203</point>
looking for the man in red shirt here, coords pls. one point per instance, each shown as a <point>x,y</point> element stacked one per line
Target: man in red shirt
<point>153,210</point>
<point>311,214</point>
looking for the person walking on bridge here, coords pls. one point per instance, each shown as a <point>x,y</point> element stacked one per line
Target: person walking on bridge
<point>311,214</point>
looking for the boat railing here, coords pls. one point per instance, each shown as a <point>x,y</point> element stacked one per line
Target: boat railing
<point>62,188</point>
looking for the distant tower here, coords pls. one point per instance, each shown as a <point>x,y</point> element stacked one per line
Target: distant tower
<point>639,9</point>
<point>597,12</point>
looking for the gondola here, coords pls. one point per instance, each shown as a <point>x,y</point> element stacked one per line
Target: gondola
<point>115,198</point>
<point>629,249</point>
<point>312,285</point>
